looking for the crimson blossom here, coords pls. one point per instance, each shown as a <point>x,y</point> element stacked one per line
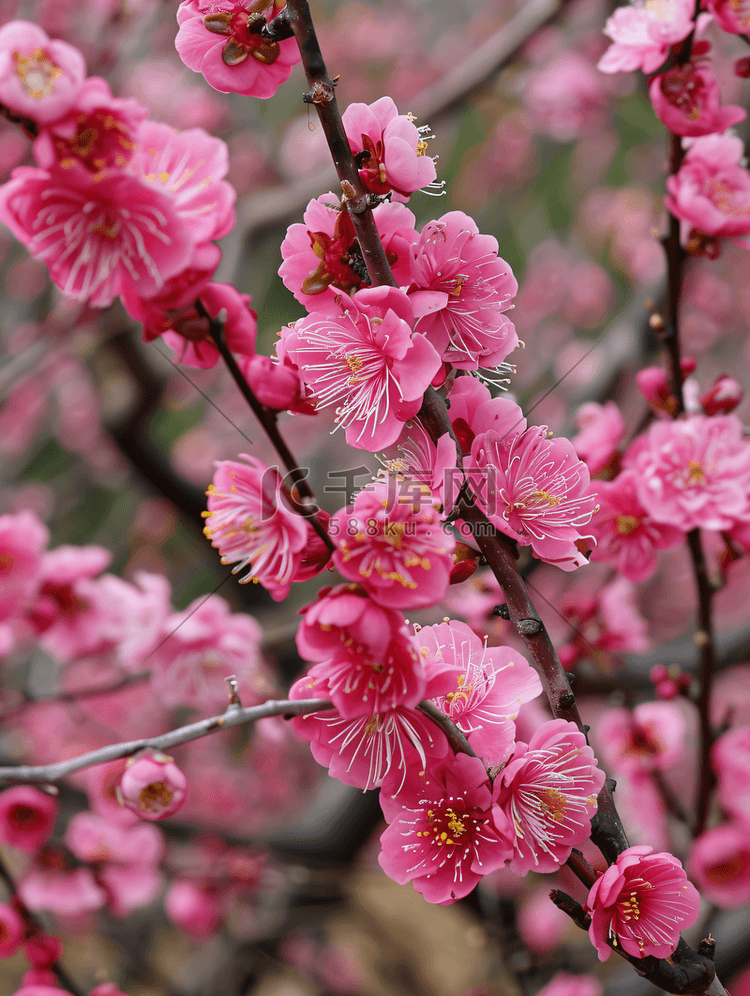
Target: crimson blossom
<point>641,903</point>
<point>392,541</point>
<point>548,793</point>
<point>365,360</point>
<point>445,830</point>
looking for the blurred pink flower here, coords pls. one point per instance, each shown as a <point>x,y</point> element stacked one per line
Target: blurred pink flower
<point>27,817</point>
<point>642,33</point>
<point>563,984</point>
<point>651,738</point>
<point>720,865</point>
<point>566,97</point>
<point>22,541</point>
<point>600,431</point>
<point>686,99</point>
<point>731,761</point>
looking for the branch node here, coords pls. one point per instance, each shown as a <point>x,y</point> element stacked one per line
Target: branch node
<point>502,611</point>
<point>529,627</point>
<point>707,947</point>
<point>321,93</point>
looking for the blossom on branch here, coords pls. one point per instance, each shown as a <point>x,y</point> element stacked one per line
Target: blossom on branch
<point>39,77</point>
<point>687,101</point>
<point>641,903</point>
<point>222,39</point>
<point>643,32</point>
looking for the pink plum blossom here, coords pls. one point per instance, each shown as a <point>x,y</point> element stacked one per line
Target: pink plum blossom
<point>98,131</point>
<point>720,865</point>
<point>731,15</point>
<point>711,192</point>
<point>199,648</point>
<point>39,77</point>
<point>222,40</point>
<point>252,524</point>
<point>445,831</point>
<point>394,545</point>
<point>541,925</point>
<point>27,817</point>
<point>626,535</point>
<point>420,461</point>
<point>651,738</point>
<point>365,361</point>
<point>687,101</point>
<point>474,411</point>
<point>389,149</point>
<point>731,759</point>
<point>564,984</point>
<point>153,786</point>
<point>23,539</point>
<point>548,791</point>
<point>345,617</point>
<point>566,97</point>
<point>369,751</point>
<point>12,931</point>
<point>459,289</point>
<point>693,473</point>
<point>193,908</point>
<point>641,903</point>
<point>535,490</point>
<point>49,884</point>
<point>489,686</point>
<point>600,431</point>
<point>323,251</point>
<point>643,32</point>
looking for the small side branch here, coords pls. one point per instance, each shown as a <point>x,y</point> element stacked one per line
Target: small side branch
<point>456,739</point>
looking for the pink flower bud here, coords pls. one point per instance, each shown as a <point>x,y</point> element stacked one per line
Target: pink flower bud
<point>276,385</point>
<point>195,910</point>
<point>688,365</point>
<point>723,397</point>
<point>27,817</point>
<point>39,982</point>
<point>43,950</point>
<point>12,930</point>
<point>153,786</point>
<point>654,386</point>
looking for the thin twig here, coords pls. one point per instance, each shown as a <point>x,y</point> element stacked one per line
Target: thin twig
<point>704,639</point>
<point>455,737</point>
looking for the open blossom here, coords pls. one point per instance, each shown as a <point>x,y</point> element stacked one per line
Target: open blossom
<point>711,191</point>
<point>374,750</point>
<point>393,543</point>
<point>22,541</point>
<point>730,758</point>
<point>459,289</point>
<point>389,149</point>
<point>651,738</point>
<point>444,830</point>
<point>693,473</point>
<point>153,786</point>
<point>39,77</point>
<point>731,15</point>
<point>643,32</point>
<point>27,817</point>
<point>535,490</point>
<point>252,524</point>
<point>98,131</point>
<point>345,617</point>
<point>367,362</point>
<point>566,97</point>
<point>686,100</point>
<point>222,40</point>
<point>600,431</point>
<point>626,535</point>
<point>641,903</point>
<point>720,864</point>
<point>323,251</point>
<point>489,686</point>
<point>548,792</point>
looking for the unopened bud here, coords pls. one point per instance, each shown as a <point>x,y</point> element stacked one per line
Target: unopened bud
<point>723,397</point>
<point>654,386</point>
<point>742,67</point>
<point>464,563</point>
<point>152,786</point>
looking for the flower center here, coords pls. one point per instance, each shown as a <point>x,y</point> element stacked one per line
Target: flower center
<point>626,524</point>
<point>155,796</point>
<point>243,26</point>
<point>37,72</point>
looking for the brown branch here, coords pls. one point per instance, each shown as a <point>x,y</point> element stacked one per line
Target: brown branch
<point>704,639</point>
<point>456,739</point>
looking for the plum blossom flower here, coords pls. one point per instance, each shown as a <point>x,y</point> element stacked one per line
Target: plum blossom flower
<point>731,15</point>
<point>445,831</point>
<point>252,524</point>
<point>98,131</point>
<point>369,751</point>
<point>730,758</point>
<point>641,903</point>
<point>394,545</point>
<point>564,984</point>
<point>686,100</point>
<point>651,738</point>
<point>720,865</point>
<point>643,32</point>
<point>12,931</point>
<point>50,884</point>
<point>535,490</point>
<point>389,149</point>
<point>548,792</point>
<point>153,786</point>
<point>222,39</point>
<point>22,541</point>
<point>27,817</point>
<point>626,535</point>
<point>693,473</point>
<point>345,617</point>
<point>600,431</point>
<point>323,251</point>
<point>367,362</point>
<point>459,289</point>
<point>39,77</point>
<point>710,193</point>
<point>489,686</point>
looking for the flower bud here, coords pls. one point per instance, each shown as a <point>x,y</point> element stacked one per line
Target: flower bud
<point>654,386</point>
<point>464,563</point>
<point>12,930</point>
<point>27,817</point>
<point>723,397</point>
<point>43,950</point>
<point>152,786</point>
<point>742,67</point>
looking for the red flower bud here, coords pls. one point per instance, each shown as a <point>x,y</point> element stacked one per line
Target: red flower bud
<point>723,397</point>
